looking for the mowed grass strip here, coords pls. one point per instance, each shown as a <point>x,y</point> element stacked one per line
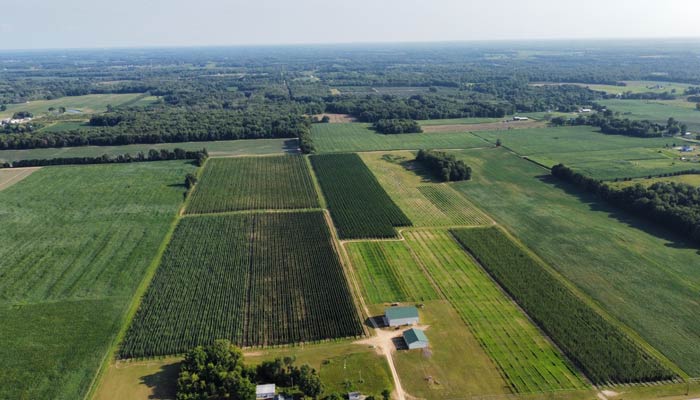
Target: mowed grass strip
<point>389,273</point>
<point>527,360</point>
<point>358,204</point>
<point>254,183</point>
<point>425,202</point>
<point>351,137</point>
<point>256,279</point>
<point>601,350</point>
<point>77,241</point>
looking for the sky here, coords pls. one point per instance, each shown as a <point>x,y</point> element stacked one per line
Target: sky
<point>43,24</point>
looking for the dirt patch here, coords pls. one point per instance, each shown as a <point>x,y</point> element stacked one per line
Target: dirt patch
<point>10,176</point>
<point>337,118</point>
<point>490,126</point>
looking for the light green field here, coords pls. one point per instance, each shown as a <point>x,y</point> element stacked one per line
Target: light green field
<point>657,110</point>
<point>337,362</point>
<point>76,244</point>
<point>528,360</point>
<point>457,365</point>
<point>639,87</point>
<point>460,121</point>
<point>641,275</point>
<point>693,180</point>
<point>593,153</point>
<point>88,104</point>
<point>353,137</point>
<point>215,149</point>
<point>389,273</point>
<point>424,201</point>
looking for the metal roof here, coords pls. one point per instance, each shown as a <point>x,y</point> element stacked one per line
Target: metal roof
<point>401,312</point>
<point>265,389</point>
<point>415,335</point>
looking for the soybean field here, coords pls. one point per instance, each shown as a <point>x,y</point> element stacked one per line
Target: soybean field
<point>256,279</point>
<point>357,202</point>
<point>254,183</point>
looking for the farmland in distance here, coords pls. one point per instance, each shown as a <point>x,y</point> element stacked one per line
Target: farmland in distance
<point>257,279</point>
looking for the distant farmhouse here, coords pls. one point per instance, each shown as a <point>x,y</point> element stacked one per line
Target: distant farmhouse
<point>415,339</point>
<point>398,316</point>
<point>687,149</point>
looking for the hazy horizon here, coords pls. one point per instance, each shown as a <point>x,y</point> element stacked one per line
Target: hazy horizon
<point>73,24</point>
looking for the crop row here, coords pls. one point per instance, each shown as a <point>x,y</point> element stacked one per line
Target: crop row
<point>357,202</point>
<point>256,279</point>
<point>602,351</point>
<point>527,360</point>
<point>254,183</point>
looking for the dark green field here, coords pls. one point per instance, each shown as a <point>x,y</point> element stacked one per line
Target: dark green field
<point>357,202</point>
<point>253,183</point>
<point>76,243</point>
<point>256,279</point>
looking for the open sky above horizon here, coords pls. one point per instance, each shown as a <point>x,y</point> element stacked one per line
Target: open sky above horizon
<point>44,24</point>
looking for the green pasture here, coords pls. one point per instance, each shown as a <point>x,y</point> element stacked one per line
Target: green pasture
<point>657,110</point>
<point>87,104</point>
<point>645,277</point>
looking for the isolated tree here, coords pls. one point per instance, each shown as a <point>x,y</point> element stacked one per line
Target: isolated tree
<point>326,119</point>
<point>190,181</point>
<point>498,143</point>
<point>386,394</point>
<point>61,110</point>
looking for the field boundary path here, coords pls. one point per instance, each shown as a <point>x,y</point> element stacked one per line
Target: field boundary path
<point>9,177</point>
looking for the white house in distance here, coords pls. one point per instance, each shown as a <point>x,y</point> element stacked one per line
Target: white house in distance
<point>266,391</point>
<point>398,316</point>
<point>415,339</point>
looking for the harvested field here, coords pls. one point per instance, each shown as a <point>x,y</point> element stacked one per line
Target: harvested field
<point>9,177</point>
<point>337,118</point>
<point>490,126</point>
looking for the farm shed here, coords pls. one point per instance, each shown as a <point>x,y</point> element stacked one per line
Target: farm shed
<point>520,118</point>
<point>415,339</point>
<point>397,316</point>
<point>266,391</point>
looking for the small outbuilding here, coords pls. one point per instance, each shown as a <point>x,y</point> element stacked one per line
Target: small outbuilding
<point>354,396</point>
<point>398,316</point>
<point>266,391</point>
<point>415,339</point>
<point>516,118</point>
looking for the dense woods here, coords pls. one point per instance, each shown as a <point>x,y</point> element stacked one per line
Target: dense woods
<point>675,206</point>
<point>445,166</point>
<point>397,126</point>
<point>613,125</point>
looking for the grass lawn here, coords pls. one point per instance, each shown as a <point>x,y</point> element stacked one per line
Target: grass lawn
<point>87,104</point>
<point>352,137</point>
<point>457,363</point>
<point>643,276</point>
<point>425,201</point>
<point>76,245</point>
<point>224,148</point>
<point>340,364</point>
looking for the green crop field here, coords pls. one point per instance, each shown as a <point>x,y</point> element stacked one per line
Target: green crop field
<point>76,243</point>
<point>526,358</point>
<point>645,277</point>
<point>389,273</point>
<point>91,103</point>
<point>605,353</point>
<point>357,202</point>
<point>254,183</point>
<point>657,110</point>
<point>638,87</point>
<point>593,153</point>
<point>691,179</point>
<point>350,137</point>
<point>460,121</point>
<point>424,201</point>
<point>216,149</point>
<point>256,279</point>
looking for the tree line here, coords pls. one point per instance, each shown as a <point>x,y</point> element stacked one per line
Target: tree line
<point>397,126</point>
<point>153,155</point>
<point>613,125</point>
<point>219,372</point>
<point>675,206</point>
<point>445,166</point>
